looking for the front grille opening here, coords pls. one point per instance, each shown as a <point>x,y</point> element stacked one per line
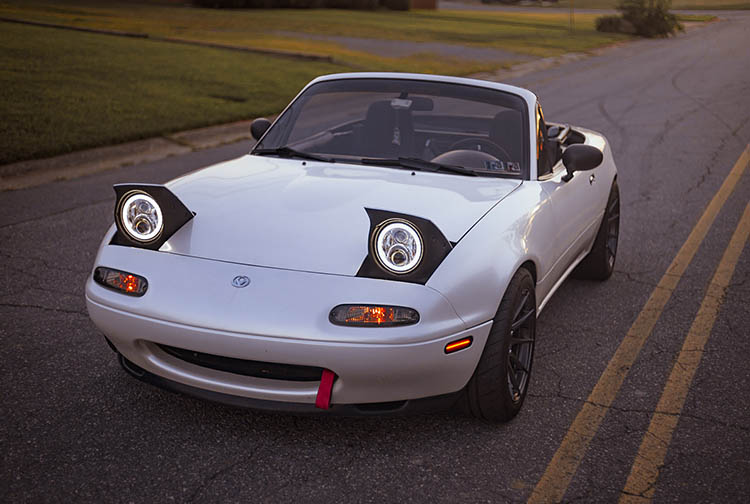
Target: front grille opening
<point>257,369</point>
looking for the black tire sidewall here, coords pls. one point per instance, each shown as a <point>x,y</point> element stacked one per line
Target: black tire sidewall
<point>596,266</point>
<point>488,394</point>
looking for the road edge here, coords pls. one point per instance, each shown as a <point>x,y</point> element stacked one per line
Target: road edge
<point>32,173</point>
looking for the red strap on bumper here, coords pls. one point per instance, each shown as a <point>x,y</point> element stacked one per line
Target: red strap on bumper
<point>323,399</point>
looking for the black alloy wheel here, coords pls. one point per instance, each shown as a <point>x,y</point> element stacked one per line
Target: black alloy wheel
<point>521,348</point>
<point>613,227</point>
<point>600,262</point>
<point>498,387</point>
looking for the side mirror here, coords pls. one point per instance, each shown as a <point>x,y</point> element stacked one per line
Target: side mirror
<point>579,157</point>
<point>258,127</point>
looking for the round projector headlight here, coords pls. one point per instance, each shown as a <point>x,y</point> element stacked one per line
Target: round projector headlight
<point>398,246</point>
<point>141,217</point>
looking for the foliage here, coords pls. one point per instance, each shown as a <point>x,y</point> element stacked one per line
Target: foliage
<point>350,4</point>
<point>609,24</point>
<point>402,5</point>
<point>651,19</point>
<point>304,4</point>
<point>647,18</point>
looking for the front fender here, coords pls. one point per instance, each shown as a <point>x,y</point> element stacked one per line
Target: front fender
<point>477,272</point>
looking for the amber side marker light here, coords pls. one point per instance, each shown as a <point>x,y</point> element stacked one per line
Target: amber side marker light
<point>373,316</point>
<point>121,281</point>
<point>457,345</point>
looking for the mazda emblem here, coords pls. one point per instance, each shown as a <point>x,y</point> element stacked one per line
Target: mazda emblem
<point>240,281</point>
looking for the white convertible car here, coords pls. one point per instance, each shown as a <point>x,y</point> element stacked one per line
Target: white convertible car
<point>386,247</point>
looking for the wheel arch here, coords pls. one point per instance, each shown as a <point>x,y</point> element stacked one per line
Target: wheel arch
<point>531,266</point>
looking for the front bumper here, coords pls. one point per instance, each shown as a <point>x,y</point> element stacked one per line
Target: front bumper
<point>365,373</point>
<point>280,318</point>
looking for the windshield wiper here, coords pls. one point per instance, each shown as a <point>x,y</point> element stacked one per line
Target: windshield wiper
<point>418,164</point>
<point>286,151</point>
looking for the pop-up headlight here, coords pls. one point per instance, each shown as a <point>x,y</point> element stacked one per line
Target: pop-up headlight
<point>398,246</point>
<point>402,247</point>
<point>146,215</point>
<point>141,217</point>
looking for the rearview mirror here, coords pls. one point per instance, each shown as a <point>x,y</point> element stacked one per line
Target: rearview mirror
<point>579,157</point>
<point>413,103</point>
<point>258,127</point>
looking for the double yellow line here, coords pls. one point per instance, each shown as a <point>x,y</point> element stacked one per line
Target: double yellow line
<point>641,482</point>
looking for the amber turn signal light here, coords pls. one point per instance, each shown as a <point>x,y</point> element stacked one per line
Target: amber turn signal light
<point>457,345</point>
<point>121,281</point>
<point>373,316</point>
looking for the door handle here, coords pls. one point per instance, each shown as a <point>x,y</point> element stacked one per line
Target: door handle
<point>592,179</point>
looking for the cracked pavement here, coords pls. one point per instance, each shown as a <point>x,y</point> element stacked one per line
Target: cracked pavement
<point>77,428</point>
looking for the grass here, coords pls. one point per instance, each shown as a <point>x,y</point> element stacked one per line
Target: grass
<point>65,90</point>
<point>543,34</point>
<point>696,18</point>
<point>676,4</point>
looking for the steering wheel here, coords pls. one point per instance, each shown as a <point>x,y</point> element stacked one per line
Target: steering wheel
<point>482,145</point>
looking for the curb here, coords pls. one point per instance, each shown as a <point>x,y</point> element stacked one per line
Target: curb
<point>26,174</point>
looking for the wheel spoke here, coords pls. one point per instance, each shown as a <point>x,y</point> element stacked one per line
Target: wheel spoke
<point>521,341</point>
<point>522,320</point>
<point>609,249</point>
<point>512,376</point>
<point>523,303</point>
<point>615,204</point>
<point>518,364</point>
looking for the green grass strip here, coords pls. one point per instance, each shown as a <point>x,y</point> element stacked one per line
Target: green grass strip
<point>676,4</point>
<point>62,90</point>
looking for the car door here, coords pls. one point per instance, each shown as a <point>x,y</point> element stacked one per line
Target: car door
<point>575,204</point>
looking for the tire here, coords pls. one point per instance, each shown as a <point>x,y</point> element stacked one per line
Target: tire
<point>498,387</point>
<point>600,261</point>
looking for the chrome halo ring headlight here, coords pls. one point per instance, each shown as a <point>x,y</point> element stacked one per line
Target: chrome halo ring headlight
<point>398,246</point>
<point>141,217</point>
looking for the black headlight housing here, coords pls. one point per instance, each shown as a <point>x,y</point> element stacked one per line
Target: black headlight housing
<point>434,247</point>
<point>172,212</point>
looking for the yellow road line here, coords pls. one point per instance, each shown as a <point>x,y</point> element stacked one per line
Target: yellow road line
<point>564,464</point>
<point>641,482</point>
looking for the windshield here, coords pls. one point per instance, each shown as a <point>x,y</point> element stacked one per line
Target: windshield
<point>356,120</point>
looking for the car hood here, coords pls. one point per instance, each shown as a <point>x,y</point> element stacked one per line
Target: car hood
<point>310,216</point>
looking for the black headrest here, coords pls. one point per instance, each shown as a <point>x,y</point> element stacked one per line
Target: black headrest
<point>507,131</point>
<point>388,131</point>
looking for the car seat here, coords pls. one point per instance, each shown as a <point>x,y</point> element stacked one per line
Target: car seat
<point>387,131</point>
<point>506,131</point>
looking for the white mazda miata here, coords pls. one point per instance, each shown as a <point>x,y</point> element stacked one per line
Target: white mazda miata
<point>385,247</point>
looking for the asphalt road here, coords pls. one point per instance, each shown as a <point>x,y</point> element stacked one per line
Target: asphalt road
<point>76,428</point>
